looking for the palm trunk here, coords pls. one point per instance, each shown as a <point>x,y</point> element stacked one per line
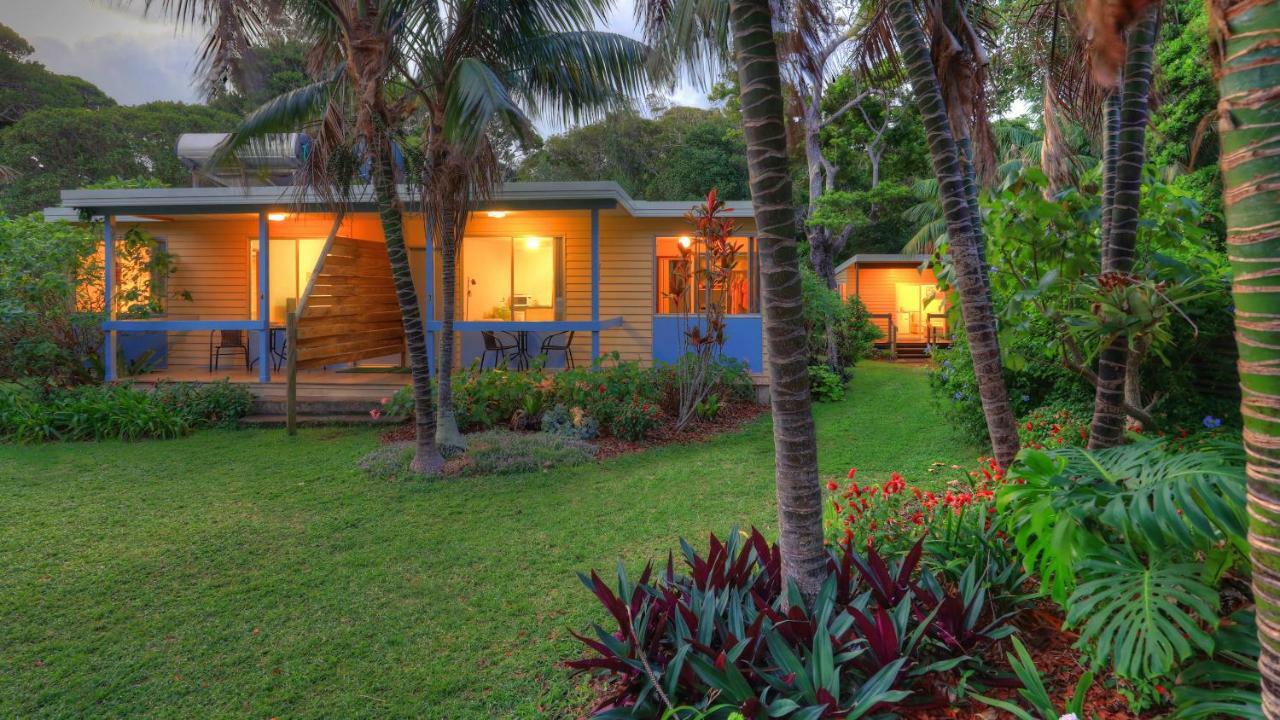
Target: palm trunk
<point>804,558</point>
<point>1249,128</point>
<point>964,231</point>
<point>447,436</point>
<point>1107,428</point>
<point>426,459</point>
<point>1110,148</point>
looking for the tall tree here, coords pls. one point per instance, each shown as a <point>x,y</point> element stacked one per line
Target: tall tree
<point>25,85</point>
<point>964,231</point>
<point>1245,40</point>
<point>811,50</point>
<point>480,65</point>
<point>1125,157</point>
<point>356,47</point>
<point>697,35</point>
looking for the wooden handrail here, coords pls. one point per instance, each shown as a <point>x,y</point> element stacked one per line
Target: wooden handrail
<point>893,332</point>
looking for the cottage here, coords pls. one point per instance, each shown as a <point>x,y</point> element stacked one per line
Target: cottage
<point>576,269</point>
<point>902,295</point>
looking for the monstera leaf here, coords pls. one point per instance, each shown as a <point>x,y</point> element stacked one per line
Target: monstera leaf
<point>1142,616</point>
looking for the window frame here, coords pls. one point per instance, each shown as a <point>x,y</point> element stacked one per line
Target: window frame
<point>753,278</point>
<point>559,302</point>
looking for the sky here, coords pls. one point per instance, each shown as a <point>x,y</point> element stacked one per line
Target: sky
<point>137,59</point>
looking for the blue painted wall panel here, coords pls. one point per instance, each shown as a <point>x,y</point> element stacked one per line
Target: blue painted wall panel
<point>743,338</point>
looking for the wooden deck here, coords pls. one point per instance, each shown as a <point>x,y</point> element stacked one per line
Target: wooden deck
<point>313,385</point>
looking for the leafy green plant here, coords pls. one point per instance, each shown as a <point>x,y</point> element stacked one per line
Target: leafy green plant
<point>1034,692</point>
<point>727,637</point>
<point>1134,543</point>
<point>30,413</point>
<point>212,404</point>
<point>709,408</point>
<point>569,422</point>
<point>1226,683</point>
<point>825,385</point>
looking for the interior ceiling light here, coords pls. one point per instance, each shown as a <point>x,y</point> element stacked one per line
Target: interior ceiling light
<point>276,217</point>
<point>497,214</point>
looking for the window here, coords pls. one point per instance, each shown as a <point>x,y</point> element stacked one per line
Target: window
<point>291,263</point>
<point>512,278</point>
<point>681,281</point>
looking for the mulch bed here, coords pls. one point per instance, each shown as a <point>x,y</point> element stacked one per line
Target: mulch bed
<point>733,414</point>
<point>1040,629</point>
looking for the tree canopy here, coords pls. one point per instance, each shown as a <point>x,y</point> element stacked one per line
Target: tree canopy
<point>26,85</point>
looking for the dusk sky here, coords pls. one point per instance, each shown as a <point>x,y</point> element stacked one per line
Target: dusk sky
<point>137,59</point>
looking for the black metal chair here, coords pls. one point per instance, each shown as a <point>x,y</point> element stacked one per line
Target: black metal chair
<point>561,342</point>
<point>279,348</point>
<point>496,346</point>
<point>228,340</point>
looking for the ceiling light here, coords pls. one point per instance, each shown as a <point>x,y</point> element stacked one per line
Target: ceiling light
<point>532,242</point>
<point>276,217</point>
<point>497,214</point>
<point>684,241</point>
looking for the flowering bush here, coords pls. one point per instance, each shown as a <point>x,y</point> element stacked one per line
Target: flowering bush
<point>635,419</point>
<point>1053,426</point>
<point>894,515</point>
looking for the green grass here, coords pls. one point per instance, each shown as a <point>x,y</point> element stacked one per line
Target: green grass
<point>247,574</point>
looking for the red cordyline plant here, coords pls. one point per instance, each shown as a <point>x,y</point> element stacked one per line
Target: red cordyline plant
<point>702,334</point>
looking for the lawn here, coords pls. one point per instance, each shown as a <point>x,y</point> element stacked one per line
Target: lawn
<point>247,574</point>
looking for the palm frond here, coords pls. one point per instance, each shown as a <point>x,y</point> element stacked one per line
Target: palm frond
<point>289,112</point>
<point>232,28</point>
<point>581,74</point>
<point>476,96</point>
<point>688,37</point>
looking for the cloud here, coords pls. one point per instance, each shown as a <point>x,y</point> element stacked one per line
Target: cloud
<point>133,69</point>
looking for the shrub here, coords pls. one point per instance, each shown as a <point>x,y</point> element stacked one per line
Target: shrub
<point>573,424</point>
<point>1136,543</point>
<point>855,333</point>
<point>388,462</point>
<point>499,452</point>
<point>29,413</point>
<point>825,385</point>
<point>709,408</point>
<point>484,399</point>
<point>214,404</point>
<point>716,639</point>
<point>634,420</point>
<point>1055,425</point>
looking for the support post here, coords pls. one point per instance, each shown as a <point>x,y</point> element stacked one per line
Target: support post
<point>429,294</point>
<point>595,284</point>
<point>291,365</point>
<point>108,299</point>
<point>264,299</point>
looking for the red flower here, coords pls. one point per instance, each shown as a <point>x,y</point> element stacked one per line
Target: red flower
<point>832,485</point>
<point>852,472</point>
<point>1029,426</point>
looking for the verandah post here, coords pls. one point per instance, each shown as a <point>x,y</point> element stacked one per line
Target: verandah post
<point>108,300</point>
<point>595,284</point>
<point>291,365</point>
<point>264,300</point>
<point>429,294</point>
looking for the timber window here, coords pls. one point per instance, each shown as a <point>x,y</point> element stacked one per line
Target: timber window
<point>681,285</point>
<point>512,278</point>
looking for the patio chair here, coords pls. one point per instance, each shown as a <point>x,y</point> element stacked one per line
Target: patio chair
<point>230,342</point>
<point>561,342</point>
<point>500,349</point>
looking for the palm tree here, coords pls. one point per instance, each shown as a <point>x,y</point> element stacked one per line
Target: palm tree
<point>696,34</point>
<point>489,66</point>
<point>1125,153</point>
<point>357,52</point>
<point>964,227</point>
<point>1249,113</point>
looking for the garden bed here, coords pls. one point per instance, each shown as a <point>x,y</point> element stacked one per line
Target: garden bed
<point>732,416</point>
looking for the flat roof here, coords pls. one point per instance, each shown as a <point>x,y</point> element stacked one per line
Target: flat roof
<point>604,195</point>
<point>882,259</point>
